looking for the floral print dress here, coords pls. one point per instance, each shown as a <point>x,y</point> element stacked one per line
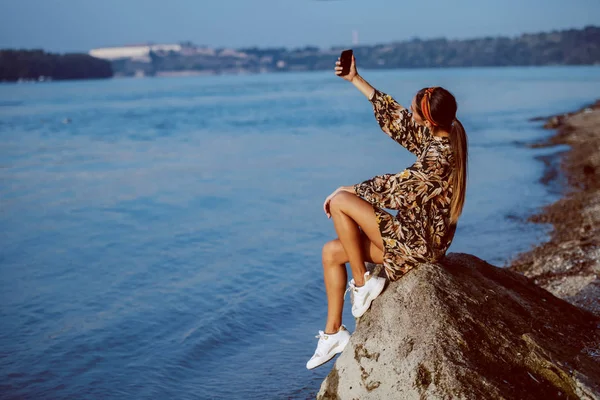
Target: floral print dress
<point>421,231</point>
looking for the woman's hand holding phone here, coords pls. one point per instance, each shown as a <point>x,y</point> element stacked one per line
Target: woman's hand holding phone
<point>352,68</point>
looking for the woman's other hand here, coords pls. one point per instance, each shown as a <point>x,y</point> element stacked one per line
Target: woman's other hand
<point>327,201</point>
<point>349,189</point>
<point>351,75</point>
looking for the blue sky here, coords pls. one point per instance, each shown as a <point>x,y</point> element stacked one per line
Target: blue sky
<point>79,25</point>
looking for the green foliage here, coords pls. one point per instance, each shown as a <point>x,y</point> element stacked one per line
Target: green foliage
<point>36,64</point>
<point>569,47</point>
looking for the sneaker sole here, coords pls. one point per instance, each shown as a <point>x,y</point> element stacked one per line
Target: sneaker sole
<point>373,296</point>
<point>330,356</point>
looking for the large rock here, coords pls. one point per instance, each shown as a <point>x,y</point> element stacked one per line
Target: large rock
<point>465,329</point>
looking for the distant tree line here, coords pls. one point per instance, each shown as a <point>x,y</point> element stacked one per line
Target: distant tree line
<point>38,65</point>
<point>567,47</point>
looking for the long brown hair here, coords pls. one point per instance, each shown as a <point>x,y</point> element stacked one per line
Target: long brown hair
<point>440,109</point>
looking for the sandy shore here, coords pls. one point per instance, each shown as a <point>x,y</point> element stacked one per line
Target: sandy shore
<point>569,264</point>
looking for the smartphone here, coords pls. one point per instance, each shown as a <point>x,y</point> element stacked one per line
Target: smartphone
<point>346,61</point>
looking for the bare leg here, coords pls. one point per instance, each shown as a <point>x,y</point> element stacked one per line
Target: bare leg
<point>349,212</point>
<point>334,272</point>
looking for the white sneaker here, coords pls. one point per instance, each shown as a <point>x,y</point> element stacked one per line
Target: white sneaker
<point>362,297</point>
<point>328,346</point>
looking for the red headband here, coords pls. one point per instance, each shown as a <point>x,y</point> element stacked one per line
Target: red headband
<point>425,103</point>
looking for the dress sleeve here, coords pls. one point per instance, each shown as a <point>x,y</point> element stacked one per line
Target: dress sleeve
<point>397,123</point>
<point>411,188</point>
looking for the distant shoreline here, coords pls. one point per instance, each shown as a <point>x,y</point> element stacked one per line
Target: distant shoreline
<point>566,47</point>
<point>568,265</point>
<point>39,66</point>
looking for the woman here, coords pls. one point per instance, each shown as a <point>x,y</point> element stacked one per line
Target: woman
<point>429,197</point>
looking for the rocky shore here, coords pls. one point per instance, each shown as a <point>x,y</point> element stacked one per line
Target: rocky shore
<point>568,265</point>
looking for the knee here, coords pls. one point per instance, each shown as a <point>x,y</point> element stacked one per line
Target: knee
<point>339,201</point>
<point>333,253</point>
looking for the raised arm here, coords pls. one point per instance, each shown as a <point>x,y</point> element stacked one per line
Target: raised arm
<point>393,119</point>
<point>363,86</point>
<point>397,122</point>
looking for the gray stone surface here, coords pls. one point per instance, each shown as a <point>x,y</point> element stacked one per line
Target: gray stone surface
<point>464,329</point>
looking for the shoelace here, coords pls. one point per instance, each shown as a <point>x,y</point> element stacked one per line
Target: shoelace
<point>320,336</point>
<point>352,286</point>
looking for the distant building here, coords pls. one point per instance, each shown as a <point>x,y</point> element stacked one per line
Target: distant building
<point>232,53</point>
<point>135,51</point>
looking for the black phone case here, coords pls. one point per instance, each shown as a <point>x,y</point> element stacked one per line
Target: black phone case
<point>346,61</point>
